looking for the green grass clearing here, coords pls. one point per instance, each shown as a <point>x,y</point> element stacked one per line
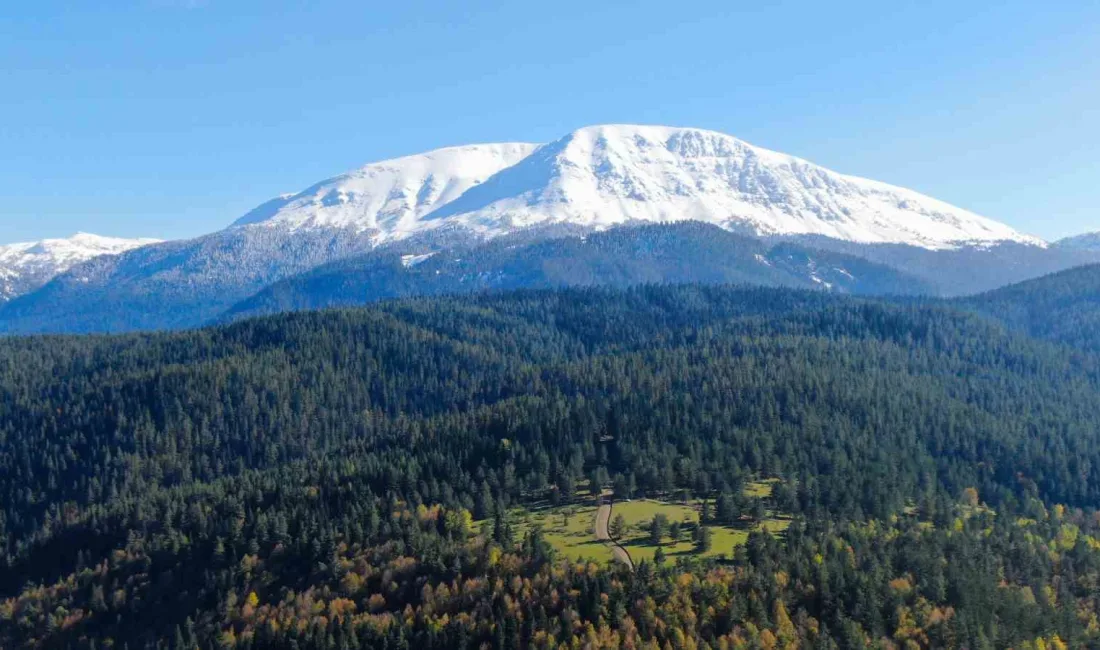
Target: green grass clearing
<point>570,529</point>
<point>760,489</point>
<point>638,515</point>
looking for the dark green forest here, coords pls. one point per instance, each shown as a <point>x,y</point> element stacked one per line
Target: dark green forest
<point>342,479</point>
<point>675,253</point>
<point>1063,307</point>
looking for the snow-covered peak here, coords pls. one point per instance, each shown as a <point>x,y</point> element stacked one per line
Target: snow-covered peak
<point>392,196</point>
<point>601,176</point>
<point>79,247</point>
<point>606,175</point>
<point>28,265</point>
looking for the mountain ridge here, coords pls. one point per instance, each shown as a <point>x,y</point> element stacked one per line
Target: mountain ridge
<point>1063,307</point>
<point>388,193</point>
<point>607,175</point>
<point>1088,242</point>
<point>25,266</point>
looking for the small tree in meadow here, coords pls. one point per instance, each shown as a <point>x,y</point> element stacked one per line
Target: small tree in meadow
<point>657,528</point>
<point>618,526</point>
<point>703,539</point>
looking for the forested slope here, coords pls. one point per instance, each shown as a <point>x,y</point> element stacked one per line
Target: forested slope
<point>1063,307</point>
<point>690,252</point>
<point>311,478</point>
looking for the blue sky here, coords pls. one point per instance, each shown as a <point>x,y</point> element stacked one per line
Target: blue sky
<point>170,118</point>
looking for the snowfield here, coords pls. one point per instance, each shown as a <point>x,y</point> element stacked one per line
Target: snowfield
<point>603,176</point>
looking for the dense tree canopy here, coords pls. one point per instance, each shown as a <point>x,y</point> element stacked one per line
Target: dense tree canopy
<point>313,477</point>
<point>1062,307</point>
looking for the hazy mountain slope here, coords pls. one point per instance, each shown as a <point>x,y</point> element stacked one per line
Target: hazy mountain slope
<point>675,253</point>
<point>965,270</point>
<point>1063,307</point>
<point>1089,242</point>
<point>174,284</point>
<point>27,266</point>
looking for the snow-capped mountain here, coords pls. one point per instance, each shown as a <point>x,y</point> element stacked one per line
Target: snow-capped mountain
<point>392,197</point>
<point>593,179</point>
<point>27,266</point>
<point>1089,242</point>
<point>603,176</point>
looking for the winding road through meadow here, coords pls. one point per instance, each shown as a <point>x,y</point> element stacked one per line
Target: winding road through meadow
<point>603,519</point>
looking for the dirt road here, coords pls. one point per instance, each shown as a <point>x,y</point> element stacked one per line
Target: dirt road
<point>603,519</point>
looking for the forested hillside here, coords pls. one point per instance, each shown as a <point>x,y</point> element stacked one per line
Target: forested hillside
<point>966,270</point>
<point>688,252</point>
<point>345,479</point>
<point>1063,307</point>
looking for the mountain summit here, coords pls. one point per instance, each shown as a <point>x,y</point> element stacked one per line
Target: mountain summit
<point>608,175</point>
<point>392,196</point>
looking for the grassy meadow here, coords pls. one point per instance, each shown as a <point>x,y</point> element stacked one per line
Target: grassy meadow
<point>570,529</point>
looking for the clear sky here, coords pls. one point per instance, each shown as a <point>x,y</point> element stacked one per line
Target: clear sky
<point>170,118</point>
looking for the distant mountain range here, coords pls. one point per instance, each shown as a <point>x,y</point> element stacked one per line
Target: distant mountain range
<point>610,204</point>
<point>1088,242</point>
<point>27,266</point>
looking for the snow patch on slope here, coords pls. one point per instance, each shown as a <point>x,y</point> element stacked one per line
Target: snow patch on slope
<point>409,261</point>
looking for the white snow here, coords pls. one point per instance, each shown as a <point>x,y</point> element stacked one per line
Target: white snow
<point>601,176</point>
<point>409,261</point>
<point>393,197</point>
<point>28,265</point>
